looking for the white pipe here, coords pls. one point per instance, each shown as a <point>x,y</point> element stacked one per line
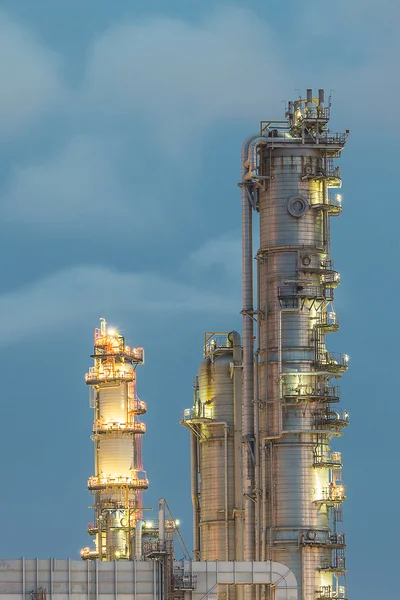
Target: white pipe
<point>138,539</point>
<point>251,163</point>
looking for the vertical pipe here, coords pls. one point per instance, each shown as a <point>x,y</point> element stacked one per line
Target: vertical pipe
<point>309,100</point>
<point>138,539</point>
<point>194,469</point>
<point>248,346</point>
<point>257,425</point>
<point>161,522</point>
<point>321,98</point>
<point>237,441</point>
<point>226,492</point>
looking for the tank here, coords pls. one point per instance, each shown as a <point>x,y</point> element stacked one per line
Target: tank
<point>290,176</point>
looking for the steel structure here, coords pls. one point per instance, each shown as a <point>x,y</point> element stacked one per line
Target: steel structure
<point>117,431</point>
<point>290,481</point>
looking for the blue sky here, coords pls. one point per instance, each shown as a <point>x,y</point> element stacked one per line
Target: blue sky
<point>120,135</point>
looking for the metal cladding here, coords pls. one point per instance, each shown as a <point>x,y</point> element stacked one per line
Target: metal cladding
<point>119,477</point>
<point>291,180</point>
<point>215,427</point>
<point>284,502</point>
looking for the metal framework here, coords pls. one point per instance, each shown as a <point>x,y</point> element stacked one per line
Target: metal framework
<point>119,477</point>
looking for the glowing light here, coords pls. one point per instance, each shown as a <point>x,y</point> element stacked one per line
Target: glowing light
<point>346,358</point>
<point>117,554</point>
<point>111,331</point>
<point>149,524</point>
<point>177,522</point>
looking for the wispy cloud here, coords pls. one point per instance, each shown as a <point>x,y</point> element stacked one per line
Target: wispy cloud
<point>30,75</point>
<point>80,294</point>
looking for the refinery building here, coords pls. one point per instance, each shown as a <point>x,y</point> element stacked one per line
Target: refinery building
<point>266,486</point>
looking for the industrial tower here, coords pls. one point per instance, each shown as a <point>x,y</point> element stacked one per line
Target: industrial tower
<point>266,485</point>
<point>117,432</point>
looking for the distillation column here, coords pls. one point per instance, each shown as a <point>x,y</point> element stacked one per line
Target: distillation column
<point>290,179</point>
<point>117,431</point>
<point>215,425</point>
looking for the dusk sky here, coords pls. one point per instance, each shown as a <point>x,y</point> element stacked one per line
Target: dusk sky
<point>121,125</point>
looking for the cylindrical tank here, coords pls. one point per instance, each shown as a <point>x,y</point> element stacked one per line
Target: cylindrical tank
<point>217,485</point>
<point>295,290</point>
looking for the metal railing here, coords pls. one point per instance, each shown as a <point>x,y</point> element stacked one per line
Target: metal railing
<point>326,592</point>
<point>333,493</point>
<point>135,427</point>
<point>216,341</point>
<point>101,482</point>
<point>332,361</point>
<point>328,393</point>
<point>110,374</point>
<point>332,460</point>
<point>303,290</point>
<point>331,419</point>
<point>185,582</point>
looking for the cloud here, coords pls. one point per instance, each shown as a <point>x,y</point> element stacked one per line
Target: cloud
<point>184,76</point>
<point>79,187</point>
<point>31,82</point>
<point>77,294</point>
<point>221,255</point>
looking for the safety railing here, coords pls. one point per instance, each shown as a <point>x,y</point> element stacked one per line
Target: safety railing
<point>111,374</point>
<point>158,547</point>
<point>330,419</point>
<point>201,412</point>
<point>133,427</point>
<point>213,342</point>
<point>326,592</point>
<point>337,564</point>
<point>329,394</point>
<point>331,460</point>
<point>139,407</point>
<point>109,346</point>
<point>332,494</point>
<point>303,290</point>
<point>332,362</point>
<point>327,321</point>
<point>98,483</point>
<point>185,582</point>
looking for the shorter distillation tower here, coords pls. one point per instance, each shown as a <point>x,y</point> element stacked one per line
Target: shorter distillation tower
<point>117,432</point>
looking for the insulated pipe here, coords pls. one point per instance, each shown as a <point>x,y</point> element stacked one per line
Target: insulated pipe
<point>256,409</point>
<point>161,521</point>
<point>249,165</point>
<point>138,539</point>
<point>194,469</point>
<point>248,350</point>
<point>237,442</point>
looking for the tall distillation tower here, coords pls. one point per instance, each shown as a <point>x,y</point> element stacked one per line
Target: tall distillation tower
<point>290,507</point>
<point>117,431</point>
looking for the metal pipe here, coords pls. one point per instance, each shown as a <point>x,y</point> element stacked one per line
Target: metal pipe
<point>226,493</point>
<point>309,100</point>
<point>194,469</point>
<point>257,421</point>
<point>161,521</point>
<point>248,346</point>
<point>250,162</point>
<point>321,98</point>
<point>138,539</point>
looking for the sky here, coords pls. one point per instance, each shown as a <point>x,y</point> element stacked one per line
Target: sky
<point>120,133</point>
